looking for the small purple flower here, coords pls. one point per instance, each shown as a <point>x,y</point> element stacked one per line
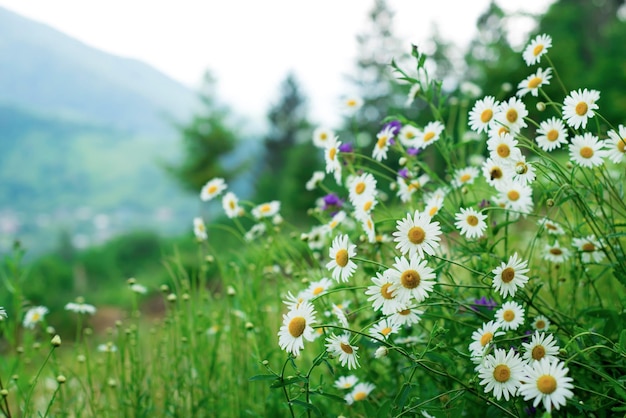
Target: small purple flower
<point>484,203</point>
<point>404,173</point>
<point>332,202</point>
<point>347,147</point>
<point>413,151</point>
<point>395,126</point>
<point>487,303</point>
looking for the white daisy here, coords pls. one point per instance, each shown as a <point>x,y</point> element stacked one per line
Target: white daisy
<point>541,323</point>
<point>510,276</point>
<point>340,347</point>
<point>430,134</point>
<point>501,373</point>
<point>346,382</point>
<point>360,392</point>
<point>230,203</point>
<point>471,223</point>
<point>384,328</point>
<point>382,294</point>
<point>297,327</point>
<point>551,134</point>
<point>255,231</point>
<point>339,312</point>
<point>341,253</point>
<point>321,136</point>
<point>516,196</point>
<point>521,170</point>
<point>331,156</point>
<point>412,279</point>
<point>315,180</point>
<point>318,288</point>
<point>464,176</point>
<point>199,229</point>
<point>80,307</point>
<point>586,150</point>
<point>481,115</point>
<point>382,143</point>
<point>511,114</point>
<point>407,316</point>
<point>616,144</point>
<point>590,249</point>
<point>336,220</point>
<point>417,234</point>
<point>367,222</point>
<point>495,172</point>
<point>510,316</point>
<point>555,253</point>
<point>361,188</point>
<point>365,207</point>
<point>408,136</point>
<point>266,210</point>
<point>213,188</point>
<point>34,316</point>
<point>536,48</point>
<point>502,147</point>
<point>546,382</point>
<point>406,187</point>
<point>542,345</point>
<point>433,205</point>
<point>352,104</point>
<point>316,237</point>
<point>413,91</point>
<point>550,226</point>
<point>533,82</point>
<point>579,106</point>
<point>483,337</point>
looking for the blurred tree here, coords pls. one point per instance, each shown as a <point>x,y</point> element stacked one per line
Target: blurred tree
<point>290,156</point>
<point>206,140</point>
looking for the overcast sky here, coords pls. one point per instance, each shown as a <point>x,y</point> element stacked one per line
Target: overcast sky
<point>250,45</point>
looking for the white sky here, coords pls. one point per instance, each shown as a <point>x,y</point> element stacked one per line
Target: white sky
<point>250,45</point>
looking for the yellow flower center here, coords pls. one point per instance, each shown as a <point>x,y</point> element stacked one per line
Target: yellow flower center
<point>588,247</point>
<point>384,290</point>
<point>346,348</point>
<point>546,384</point>
<point>586,152</point>
<point>296,326</point>
<point>521,168</point>
<point>538,352</point>
<point>359,396</point>
<point>540,324</point>
<point>508,315</point>
<point>621,145</point>
<point>496,173</point>
<point>382,141</point>
<point>503,130</point>
<point>359,188</point>
<point>511,115</point>
<point>552,135</point>
<point>534,82</point>
<point>433,211</point>
<point>231,204</point>
<point>323,136</point>
<point>404,312</point>
<point>410,279</point>
<point>472,220</point>
<point>502,373</point>
<point>265,208</point>
<point>537,50</point>
<point>428,136</point>
<point>386,331</point>
<point>508,274</point>
<point>581,109</point>
<point>416,235</point>
<point>331,153</point>
<point>486,338</point>
<point>212,189</point>
<point>351,103</point>
<point>318,290</point>
<point>367,206</point>
<point>341,258</point>
<point>409,135</point>
<point>513,195</point>
<point>556,251</point>
<point>486,115</point>
<point>503,150</point>
<point>465,178</point>
<point>36,317</point>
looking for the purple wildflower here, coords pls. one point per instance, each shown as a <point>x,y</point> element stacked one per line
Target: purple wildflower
<point>414,151</point>
<point>487,303</point>
<point>404,173</point>
<point>346,147</point>
<point>395,126</point>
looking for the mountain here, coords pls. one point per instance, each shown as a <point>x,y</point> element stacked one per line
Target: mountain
<point>82,133</point>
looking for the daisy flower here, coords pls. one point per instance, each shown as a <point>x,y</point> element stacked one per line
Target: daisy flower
<point>408,136</point>
<point>365,207</point>
<point>341,253</point>
<point>516,196</point>
<point>542,345</point>
<point>510,316</point>
<point>340,347</point>
<point>495,172</point>
<point>331,156</point>
<point>616,144</point>
<point>533,82</point>
<point>551,134</point>
<point>352,104</point>
<point>266,210</point>
<point>579,106</point>
<point>411,279</point>
<point>318,288</point>
<point>346,382</point>
<point>552,227</point>
<point>555,253</point>
<point>546,382</point>
<point>431,133</point>
<point>502,147</point>
<point>34,316</point>
<point>199,229</point>
<point>510,276</point>
<point>464,176</point>
<point>511,114</point>
<point>482,337</point>
<point>255,231</point>
<point>384,328</point>
<point>321,136</point>
<point>213,188</point>
<point>297,327</point>
<point>339,312</point>
<point>481,115</point>
<point>407,316</point>
<point>413,91</point>
<point>361,187</point>
<point>590,249</point>
<point>501,373</point>
<point>230,203</point>
<point>316,178</point>
<point>382,143</point>
<point>368,226</point>
<point>417,234</point>
<point>433,205</point>
<point>471,223</point>
<point>382,295</point>
<point>360,392</point>
<point>3,314</point>
<point>406,188</point>
<point>521,170</point>
<point>586,150</point>
<point>541,323</point>
<point>536,48</point>
<point>80,307</point>
<point>336,220</point>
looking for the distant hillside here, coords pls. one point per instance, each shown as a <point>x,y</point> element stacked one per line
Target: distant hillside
<point>48,71</point>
